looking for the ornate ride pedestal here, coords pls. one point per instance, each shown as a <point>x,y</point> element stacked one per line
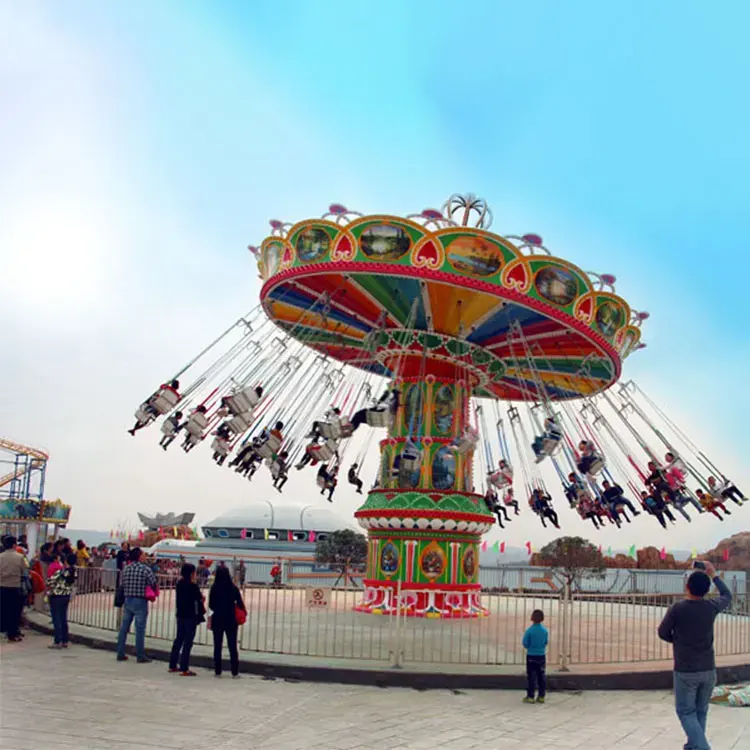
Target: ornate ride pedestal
<point>424,525</point>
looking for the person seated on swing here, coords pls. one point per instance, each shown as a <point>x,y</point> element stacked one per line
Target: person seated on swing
<point>587,510</point>
<point>266,435</point>
<point>725,490</point>
<point>466,441</point>
<point>227,404</point>
<point>541,504</point>
<point>353,478</point>
<point>492,501</point>
<point>170,429</point>
<point>309,454</point>
<point>710,504</point>
<point>510,501</point>
<point>503,476</point>
<point>246,451</point>
<point>589,456</point>
<point>546,443</point>
<point>148,408</point>
<point>654,504</point>
<point>575,490</point>
<point>223,435</point>
<point>383,404</point>
<point>657,481</point>
<point>192,438</point>
<point>280,470</point>
<point>327,481</point>
<point>614,497</point>
<point>675,472</point>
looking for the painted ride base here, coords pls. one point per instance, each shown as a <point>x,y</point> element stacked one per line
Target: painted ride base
<point>447,603</point>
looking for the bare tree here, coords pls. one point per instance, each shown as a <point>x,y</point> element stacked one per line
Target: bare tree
<point>572,558</point>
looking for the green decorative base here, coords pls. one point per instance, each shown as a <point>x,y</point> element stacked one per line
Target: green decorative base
<point>425,546</point>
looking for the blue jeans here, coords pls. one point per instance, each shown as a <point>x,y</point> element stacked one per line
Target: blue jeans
<point>692,691</point>
<point>134,608</point>
<point>58,609</point>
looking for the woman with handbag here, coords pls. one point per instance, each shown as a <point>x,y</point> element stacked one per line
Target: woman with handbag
<point>60,588</point>
<point>190,613</point>
<point>227,614</point>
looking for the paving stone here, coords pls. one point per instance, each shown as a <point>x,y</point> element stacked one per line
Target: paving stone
<point>83,699</point>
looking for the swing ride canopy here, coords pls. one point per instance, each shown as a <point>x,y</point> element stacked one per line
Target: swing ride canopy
<point>381,292</point>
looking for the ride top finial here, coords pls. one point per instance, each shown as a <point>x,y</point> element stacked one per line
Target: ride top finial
<point>460,208</point>
<point>340,214</point>
<point>279,228</point>
<point>637,317</point>
<point>254,250</point>
<point>432,218</point>
<point>603,280</point>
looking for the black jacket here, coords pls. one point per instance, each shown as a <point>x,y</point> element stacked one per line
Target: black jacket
<point>189,601</point>
<point>221,602</point>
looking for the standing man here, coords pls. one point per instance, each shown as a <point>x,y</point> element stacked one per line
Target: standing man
<point>689,627</point>
<point>135,578</point>
<point>12,570</point>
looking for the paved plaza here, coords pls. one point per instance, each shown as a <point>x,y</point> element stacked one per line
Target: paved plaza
<point>83,699</point>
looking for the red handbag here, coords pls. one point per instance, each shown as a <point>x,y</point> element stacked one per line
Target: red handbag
<point>240,616</point>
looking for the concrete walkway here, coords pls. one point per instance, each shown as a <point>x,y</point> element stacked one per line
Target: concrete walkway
<point>82,699</point>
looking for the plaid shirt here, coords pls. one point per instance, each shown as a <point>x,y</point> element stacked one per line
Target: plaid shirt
<point>135,578</point>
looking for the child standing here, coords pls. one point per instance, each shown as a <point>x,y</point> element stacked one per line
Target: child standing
<point>535,641</point>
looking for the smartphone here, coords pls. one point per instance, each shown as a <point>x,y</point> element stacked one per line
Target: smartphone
<point>698,565</point>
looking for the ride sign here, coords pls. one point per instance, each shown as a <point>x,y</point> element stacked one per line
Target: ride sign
<point>317,598</point>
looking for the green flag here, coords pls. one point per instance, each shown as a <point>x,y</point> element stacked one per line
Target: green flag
<point>609,551</point>
<point>631,551</point>
<point>496,546</point>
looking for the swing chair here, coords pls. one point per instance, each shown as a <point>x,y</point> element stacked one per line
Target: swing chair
<point>467,442</point>
<point>268,445</point>
<point>242,402</point>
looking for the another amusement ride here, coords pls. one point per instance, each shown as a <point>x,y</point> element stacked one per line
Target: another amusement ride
<point>460,349</point>
<point>23,508</point>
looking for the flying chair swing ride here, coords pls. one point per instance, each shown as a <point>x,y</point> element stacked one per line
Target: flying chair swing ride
<point>459,349</point>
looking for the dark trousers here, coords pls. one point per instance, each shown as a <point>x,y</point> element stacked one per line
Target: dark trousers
<point>536,675</point>
<point>228,629</point>
<point>11,604</point>
<point>732,493</point>
<point>183,643</point>
<point>58,609</point>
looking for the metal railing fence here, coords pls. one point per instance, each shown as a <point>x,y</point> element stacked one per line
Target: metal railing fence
<point>584,628</point>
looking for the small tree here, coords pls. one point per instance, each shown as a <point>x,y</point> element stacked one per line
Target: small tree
<point>572,558</point>
<point>341,549</point>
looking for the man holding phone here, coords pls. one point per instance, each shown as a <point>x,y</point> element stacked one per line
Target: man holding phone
<point>689,627</point>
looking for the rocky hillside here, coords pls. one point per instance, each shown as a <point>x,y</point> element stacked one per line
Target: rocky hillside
<point>650,558</point>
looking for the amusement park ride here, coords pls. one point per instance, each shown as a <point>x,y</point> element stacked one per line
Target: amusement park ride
<point>422,327</point>
<point>23,509</point>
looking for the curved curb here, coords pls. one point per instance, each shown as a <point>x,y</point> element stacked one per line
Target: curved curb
<point>653,680</point>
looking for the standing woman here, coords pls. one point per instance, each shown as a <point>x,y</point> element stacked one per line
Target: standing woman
<point>60,587</point>
<point>190,613</point>
<point>224,600</point>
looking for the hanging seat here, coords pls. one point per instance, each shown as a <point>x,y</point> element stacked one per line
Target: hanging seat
<point>196,424</point>
<point>378,417</point>
<point>220,446</point>
<point>242,401</point>
<point>411,459</point>
<point>168,428</point>
<point>166,399</point>
<point>550,446</point>
<point>324,452</point>
<point>269,446</point>
<point>467,442</point>
<point>597,465</point>
<point>241,422</point>
<point>500,478</point>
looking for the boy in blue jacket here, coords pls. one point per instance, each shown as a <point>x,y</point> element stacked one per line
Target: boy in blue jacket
<point>535,641</point>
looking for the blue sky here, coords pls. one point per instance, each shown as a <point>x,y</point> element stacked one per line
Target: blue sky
<point>151,142</point>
